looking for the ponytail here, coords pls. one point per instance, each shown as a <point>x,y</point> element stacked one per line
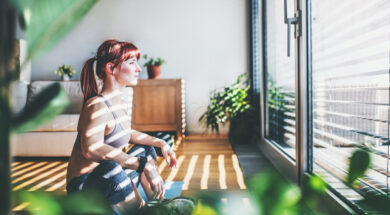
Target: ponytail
<point>109,51</point>
<point>88,81</point>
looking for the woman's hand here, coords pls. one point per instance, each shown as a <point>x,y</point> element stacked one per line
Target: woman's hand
<point>169,154</point>
<point>154,179</point>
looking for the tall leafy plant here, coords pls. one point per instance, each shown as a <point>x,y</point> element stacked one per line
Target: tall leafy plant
<point>226,104</point>
<point>46,22</point>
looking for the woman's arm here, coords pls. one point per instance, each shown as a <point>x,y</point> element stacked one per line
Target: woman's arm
<point>147,140</point>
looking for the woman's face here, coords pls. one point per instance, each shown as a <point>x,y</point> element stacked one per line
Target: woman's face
<point>128,72</point>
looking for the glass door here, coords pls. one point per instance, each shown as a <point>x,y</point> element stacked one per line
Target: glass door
<point>280,77</point>
<point>281,29</point>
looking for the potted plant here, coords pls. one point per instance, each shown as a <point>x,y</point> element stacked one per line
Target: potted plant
<point>65,72</point>
<point>153,66</point>
<point>231,104</point>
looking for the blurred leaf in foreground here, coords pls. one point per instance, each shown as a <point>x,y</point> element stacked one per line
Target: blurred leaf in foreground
<point>208,203</point>
<point>312,190</point>
<point>44,203</point>
<point>40,203</point>
<point>86,202</point>
<point>204,209</point>
<point>359,162</point>
<point>48,21</point>
<point>44,107</point>
<point>274,195</point>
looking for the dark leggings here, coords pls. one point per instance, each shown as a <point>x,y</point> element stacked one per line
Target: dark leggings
<point>110,179</point>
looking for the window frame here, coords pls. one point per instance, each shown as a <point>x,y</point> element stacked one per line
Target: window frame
<point>300,170</point>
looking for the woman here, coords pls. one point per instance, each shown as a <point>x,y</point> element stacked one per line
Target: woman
<point>99,159</point>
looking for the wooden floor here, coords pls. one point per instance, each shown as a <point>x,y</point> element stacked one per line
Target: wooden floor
<point>204,163</point>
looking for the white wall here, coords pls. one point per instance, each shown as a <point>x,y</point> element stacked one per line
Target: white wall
<point>203,41</point>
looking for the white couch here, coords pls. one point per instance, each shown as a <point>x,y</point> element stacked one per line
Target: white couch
<point>56,138</point>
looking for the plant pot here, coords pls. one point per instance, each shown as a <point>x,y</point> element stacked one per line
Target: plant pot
<point>154,72</point>
<point>243,128</point>
<point>65,78</point>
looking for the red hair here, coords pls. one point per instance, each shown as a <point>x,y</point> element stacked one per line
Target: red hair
<point>110,51</point>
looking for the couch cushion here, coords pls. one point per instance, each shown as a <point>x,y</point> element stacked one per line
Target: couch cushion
<point>63,122</point>
<point>43,144</point>
<point>72,89</point>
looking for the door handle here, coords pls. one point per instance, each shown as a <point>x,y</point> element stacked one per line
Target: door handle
<point>296,21</point>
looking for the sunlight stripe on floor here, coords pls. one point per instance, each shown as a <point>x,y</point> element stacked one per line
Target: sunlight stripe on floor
<point>35,179</point>
<point>21,166</point>
<point>177,144</point>
<point>206,172</point>
<point>15,164</point>
<point>21,206</point>
<point>240,176</point>
<point>48,181</point>
<point>222,173</point>
<point>27,169</point>
<point>162,166</point>
<point>30,174</point>
<point>57,186</point>
<point>190,171</point>
<point>174,171</point>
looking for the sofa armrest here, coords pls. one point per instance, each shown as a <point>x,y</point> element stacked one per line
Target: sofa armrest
<point>19,91</point>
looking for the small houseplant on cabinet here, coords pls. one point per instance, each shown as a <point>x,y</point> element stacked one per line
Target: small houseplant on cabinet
<point>153,66</point>
<point>65,72</point>
<point>231,104</point>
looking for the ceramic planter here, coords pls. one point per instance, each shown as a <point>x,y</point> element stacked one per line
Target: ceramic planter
<point>65,78</point>
<point>154,72</point>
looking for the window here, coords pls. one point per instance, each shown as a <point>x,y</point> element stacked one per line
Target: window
<point>331,96</point>
<point>350,90</point>
<point>280,79</point>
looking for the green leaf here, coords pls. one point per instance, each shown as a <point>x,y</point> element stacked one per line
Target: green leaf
<point>202,209</point>
<point>40,203</point>
<point>359,162</point>
<point>273,194</point>
<point>317,184</point>
<point>290,196</point>
<point>44,107</point>
<point>86,202</point>
<point>48,21</point>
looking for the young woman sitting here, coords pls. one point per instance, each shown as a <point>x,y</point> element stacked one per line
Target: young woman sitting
<point>108,155</point>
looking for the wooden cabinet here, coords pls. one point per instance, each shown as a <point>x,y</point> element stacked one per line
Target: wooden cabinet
<point>158,105</point>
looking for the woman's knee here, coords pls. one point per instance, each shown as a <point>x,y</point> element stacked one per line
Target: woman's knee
<point>107,168</point>
<point>120,188</point>
<point>150,151</point>
<point>111,181</point>
<point>142,150</point>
